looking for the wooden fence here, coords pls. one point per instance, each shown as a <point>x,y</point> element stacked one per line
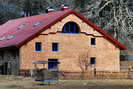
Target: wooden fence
<point>98,75</point>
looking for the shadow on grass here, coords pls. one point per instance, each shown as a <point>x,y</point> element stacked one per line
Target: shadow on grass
<point>14,86</point>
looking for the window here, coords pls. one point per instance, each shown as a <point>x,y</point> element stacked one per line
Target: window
<point>55,47</point>
<point>38,46</point>
<point>9,37</point>
<point>21,26</point>
<point>93,41</point>
<point>70,27</point>
<point>37,23</point>
<point>2,38</point>
<point>92,60</point>
<point>53,63</point>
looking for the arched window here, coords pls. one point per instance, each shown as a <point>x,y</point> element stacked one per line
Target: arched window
<point>70,27</point>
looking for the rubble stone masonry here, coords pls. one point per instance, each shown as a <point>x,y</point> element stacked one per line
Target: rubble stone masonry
<point>70,47</point>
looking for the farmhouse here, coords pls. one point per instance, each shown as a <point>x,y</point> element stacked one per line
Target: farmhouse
<point>57,36</point>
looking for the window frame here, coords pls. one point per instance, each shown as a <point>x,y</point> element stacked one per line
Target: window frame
<point>55,62</point>
<point>93,41</point>
<point>40,43</point>
<point>93,60</point>
<point>55,44</point>
<point>70,28</point>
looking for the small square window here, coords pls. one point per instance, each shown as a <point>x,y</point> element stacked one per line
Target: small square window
<point>93,41</point>
<point>92,60</point>
<point>55,47</point>
<point>38,46</point>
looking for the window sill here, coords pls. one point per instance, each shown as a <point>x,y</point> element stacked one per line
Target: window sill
<point>71,33</point>
<point>93,45</point>
<point>55,51</point>
<point>38,51</point>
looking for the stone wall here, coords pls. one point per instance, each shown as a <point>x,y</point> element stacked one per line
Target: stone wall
<point>70,47</point>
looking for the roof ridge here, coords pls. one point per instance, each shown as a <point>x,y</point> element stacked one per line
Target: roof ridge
<point>28,17</point>
<point>50,19</point>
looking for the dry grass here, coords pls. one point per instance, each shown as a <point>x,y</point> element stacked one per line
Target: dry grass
<point>11,82</point>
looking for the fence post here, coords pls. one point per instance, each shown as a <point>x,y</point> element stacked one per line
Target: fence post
<point>129,74</point>
<point>94,72</point>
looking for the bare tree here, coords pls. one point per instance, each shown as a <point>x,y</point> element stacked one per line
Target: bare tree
<point>83,62</point>
<point>121,22</point>
<point>115,16</point>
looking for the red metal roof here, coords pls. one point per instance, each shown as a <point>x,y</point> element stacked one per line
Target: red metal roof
<point>19,31</point>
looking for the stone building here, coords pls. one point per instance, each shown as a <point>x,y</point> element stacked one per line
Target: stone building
<point>58,36</point>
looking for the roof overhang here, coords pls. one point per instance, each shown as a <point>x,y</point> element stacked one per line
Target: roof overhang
<point>9,48</point>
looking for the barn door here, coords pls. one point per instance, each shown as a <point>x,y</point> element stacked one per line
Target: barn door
<point>5,68</point>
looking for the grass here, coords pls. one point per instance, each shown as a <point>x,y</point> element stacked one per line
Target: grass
<point>14,86</point>
<point>15,82</point>
<point>108,82</point>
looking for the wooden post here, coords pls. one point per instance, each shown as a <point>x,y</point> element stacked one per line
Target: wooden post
<point>129,74</point>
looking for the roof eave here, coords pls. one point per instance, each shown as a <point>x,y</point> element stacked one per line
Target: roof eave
<point>103,32</point>
<point>9,47</point>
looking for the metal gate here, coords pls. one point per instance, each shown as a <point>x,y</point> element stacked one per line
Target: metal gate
<point>44,74</point>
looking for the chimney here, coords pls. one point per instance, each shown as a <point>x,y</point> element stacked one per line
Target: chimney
<point>49,9</point>
<point>64,7</point>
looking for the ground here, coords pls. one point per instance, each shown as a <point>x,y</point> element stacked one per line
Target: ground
<point>11,82</point>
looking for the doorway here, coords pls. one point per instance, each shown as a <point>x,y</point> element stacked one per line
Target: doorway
<point>53,63</point>
<point>4,69</point>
